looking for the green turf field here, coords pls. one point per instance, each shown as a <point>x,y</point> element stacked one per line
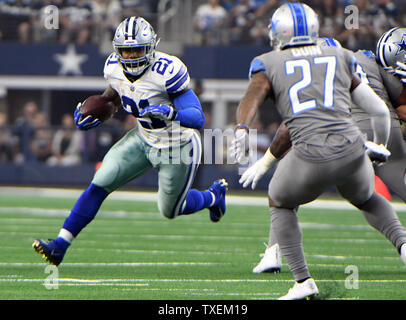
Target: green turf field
<point>131,252</point>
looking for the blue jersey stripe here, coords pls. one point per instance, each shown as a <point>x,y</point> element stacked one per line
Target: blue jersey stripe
<point>256,66</point>
<point>178,84</point>
<point>196,153</point>
<point>176,77</point>
<point>330,42</point>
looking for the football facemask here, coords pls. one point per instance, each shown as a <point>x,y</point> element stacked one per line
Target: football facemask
<point>134,43</point>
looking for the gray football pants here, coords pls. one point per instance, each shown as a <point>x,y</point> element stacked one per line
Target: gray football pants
<point>392,173</point>
<point>297,182</point>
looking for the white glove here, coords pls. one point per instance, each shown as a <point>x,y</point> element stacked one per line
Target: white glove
<point>239,144</point>
<point>254,173</point>
<point>401,71</point>
<point>377,153</point>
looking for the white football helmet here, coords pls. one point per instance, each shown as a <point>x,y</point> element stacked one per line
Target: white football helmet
<point>135,33</point>
<point>293,24</point>
<point>391,48</point>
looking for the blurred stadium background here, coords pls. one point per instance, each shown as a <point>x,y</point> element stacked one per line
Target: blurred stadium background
<point>45,72</point>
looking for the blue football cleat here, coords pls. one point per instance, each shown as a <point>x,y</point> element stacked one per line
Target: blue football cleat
<point>218,210</point>
<point>53,251</point>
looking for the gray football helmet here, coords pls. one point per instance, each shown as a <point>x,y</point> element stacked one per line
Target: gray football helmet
<point>293,24</point>
<point>391,48</point>
<point>135,33</point>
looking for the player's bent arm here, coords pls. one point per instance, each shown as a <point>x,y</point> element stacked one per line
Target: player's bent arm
<point>401,100</point>
<point>189,110</point>
<point>279,147</point>
<point>113,97</point>
<point>281,143</point>
<point>258,90</point>
<point>370,102</point>
<point>401,111</point>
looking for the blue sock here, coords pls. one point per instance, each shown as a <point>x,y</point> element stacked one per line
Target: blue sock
<point>85,209</point>
<point>196,200</point>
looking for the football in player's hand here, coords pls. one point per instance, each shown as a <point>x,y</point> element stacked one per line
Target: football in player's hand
<point>98,107</point>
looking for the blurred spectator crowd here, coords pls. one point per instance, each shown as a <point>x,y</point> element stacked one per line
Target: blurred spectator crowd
<point>78,21</point>
<point>32,139</point>
<point>215,22</point>
<point>246,21</point>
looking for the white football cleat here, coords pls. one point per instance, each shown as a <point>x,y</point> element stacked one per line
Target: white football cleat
<point>403,253</point>
<point>300,291</point>
<point>271,260</point>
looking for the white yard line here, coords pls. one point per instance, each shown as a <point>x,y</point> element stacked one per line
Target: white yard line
<point>116,264</point>
<point>146,281</point>
<point>152,196</point>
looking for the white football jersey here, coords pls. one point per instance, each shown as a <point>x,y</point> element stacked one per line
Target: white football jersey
<point>167,75</point>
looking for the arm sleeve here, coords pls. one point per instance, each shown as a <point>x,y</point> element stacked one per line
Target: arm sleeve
<point>189,110</point>
<point>369,101</point>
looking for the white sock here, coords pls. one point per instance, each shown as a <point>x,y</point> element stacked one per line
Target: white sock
<point>66,235</point>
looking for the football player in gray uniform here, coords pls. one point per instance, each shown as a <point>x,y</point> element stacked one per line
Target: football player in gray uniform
<point>379,76</point>
<point>313,88</point>
<point>377,71</point>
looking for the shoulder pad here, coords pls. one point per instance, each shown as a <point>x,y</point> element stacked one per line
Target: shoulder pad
<point>177,76</point>
<point>110,67</point>
<point>256,66</point>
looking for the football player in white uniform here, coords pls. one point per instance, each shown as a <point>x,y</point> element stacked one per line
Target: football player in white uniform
<point>154,87</point>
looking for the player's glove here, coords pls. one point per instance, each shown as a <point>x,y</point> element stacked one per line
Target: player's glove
<point>377,153</point>
<point>160,111</point>
<point>401,71</point>
<point>84,123</point>
<point>239,144</point>
<point>254,173</point>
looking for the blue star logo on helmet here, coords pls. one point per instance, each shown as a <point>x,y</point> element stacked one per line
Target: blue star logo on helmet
<point>401,45</point>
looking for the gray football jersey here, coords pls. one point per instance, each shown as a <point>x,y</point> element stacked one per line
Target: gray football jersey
<point>311,90</point>
<point>386,86</point>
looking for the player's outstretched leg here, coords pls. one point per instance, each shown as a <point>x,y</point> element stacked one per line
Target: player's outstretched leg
<point>380,214</point>
<point>214,199</point>
<point>83,212</point>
